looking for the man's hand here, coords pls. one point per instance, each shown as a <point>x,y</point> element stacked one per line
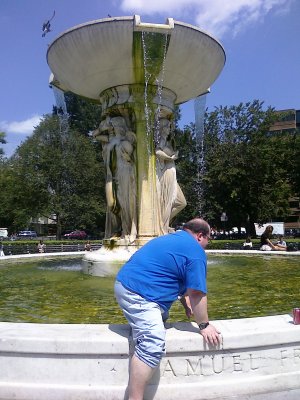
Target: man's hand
<point>211,335</point>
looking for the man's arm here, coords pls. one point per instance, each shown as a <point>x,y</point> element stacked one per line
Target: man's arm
<point>185,301</point>
<point>198,301</point>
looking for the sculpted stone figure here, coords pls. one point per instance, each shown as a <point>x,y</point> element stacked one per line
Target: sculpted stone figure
<point>118,145</point>
<point>105,134</point>
<point>125,176</point>
<point>171,198</point>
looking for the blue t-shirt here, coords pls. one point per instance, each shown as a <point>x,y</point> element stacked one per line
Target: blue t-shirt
<point>165,267</point>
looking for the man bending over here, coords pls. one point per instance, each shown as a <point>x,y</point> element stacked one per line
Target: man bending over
<point>162,270</point>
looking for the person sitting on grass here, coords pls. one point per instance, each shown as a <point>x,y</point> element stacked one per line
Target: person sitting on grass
<point>247,245</point>
<point>281,242</point>
<point>41,247</point>
<point>265,241</point>
<point>88,246</point>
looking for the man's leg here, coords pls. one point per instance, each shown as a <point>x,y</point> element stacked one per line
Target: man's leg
<point>148,334</point>
<point>140,374</point>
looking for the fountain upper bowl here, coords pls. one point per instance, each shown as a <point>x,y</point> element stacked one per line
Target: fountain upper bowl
<point>92,57</point>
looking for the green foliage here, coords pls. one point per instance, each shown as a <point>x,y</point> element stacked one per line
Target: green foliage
<point>84,115</point>
<point>246,165</point>
<point>249,172</point>
<point>2,138</point>
<point>292,160</point>
<point>187,170</point>
<point>7,194</point>
<point>2,141</point>
<point>59,174</point>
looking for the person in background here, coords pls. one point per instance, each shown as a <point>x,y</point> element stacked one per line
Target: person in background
<point>247,245</point>
<point>265,241</point>
<point>281,242</point>
<point>1,248</point>
<point>164,269</point>
<point>41,247</point>
<point>88,246</point>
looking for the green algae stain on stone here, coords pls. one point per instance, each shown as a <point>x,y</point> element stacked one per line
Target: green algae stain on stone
<point>138,58</point>
<point>148,53</point>
<point>149,50</point>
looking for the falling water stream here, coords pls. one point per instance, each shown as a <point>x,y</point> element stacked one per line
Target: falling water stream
<point>154,68</point>
<point>159,84</point>
<point>199,107</point>
<point>63,116</point>
<point>154,51</point>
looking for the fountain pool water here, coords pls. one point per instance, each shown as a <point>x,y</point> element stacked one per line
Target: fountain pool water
<point>56,290</point>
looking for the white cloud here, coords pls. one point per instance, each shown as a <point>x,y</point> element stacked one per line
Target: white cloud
<point>17,132</point>
<point>25,127</point>
<point>216,16</point>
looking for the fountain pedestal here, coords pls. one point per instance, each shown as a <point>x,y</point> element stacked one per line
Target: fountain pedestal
<point>131,102</point>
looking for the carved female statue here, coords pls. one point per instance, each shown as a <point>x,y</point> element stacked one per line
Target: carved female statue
<point>172,200</point>
<point>125,176</point>
<point>118,145</point>
<point>106,135</point>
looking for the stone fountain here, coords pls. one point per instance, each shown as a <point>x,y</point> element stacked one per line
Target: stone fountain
<point>138,72</point>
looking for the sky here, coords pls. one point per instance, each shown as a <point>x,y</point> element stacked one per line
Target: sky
<point>261,39</point>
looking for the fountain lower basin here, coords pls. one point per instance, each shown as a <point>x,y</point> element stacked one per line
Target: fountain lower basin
<point>258,356</point>
<point>259,359</point>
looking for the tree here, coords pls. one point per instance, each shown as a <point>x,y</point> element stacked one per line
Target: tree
<point>245,171</point>
<point>2,141</point>
<point>187,170</point>
<point>84,115</point>
<point>292,161</point>
<point>60,174</point>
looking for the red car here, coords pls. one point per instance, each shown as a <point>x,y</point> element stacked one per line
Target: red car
<point>76,235</point>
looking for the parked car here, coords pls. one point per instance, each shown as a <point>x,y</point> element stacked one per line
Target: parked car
<point>76,235</point>
<point>234,233</point>
<point>296,233</point>
<point>27,234</point>
<point>292,233</point>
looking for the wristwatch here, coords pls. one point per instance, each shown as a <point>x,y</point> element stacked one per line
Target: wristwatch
<point>203,325</point>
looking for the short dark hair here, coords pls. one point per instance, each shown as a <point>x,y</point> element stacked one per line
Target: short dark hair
<point>197,225</point>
